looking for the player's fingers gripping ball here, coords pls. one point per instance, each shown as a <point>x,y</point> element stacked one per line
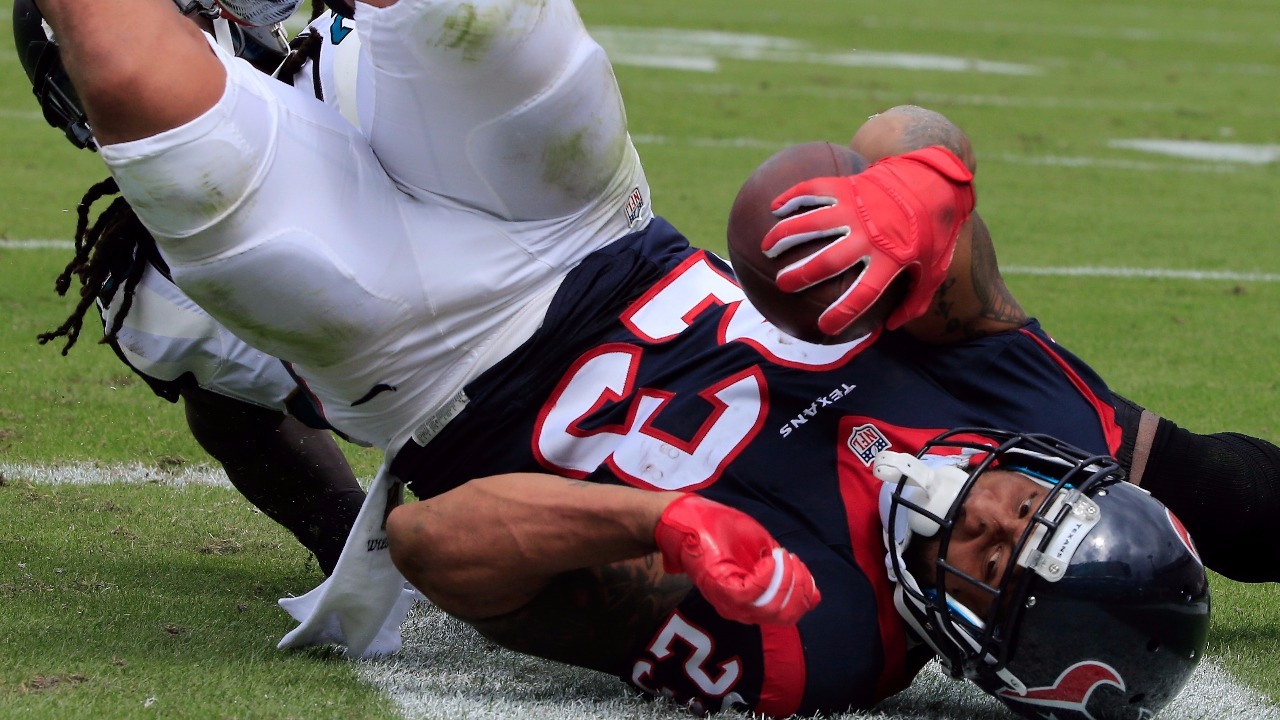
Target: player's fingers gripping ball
<point>736,564</point>
<point>902,214</point>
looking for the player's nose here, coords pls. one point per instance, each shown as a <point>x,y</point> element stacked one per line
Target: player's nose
<point>984,515</point>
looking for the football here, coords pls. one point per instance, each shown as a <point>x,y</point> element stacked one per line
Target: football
<point>750,219</point>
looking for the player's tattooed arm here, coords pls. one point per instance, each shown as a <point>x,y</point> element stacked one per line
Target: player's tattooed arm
<point>595,617</point>
<point>541,563</point>
<point>997,308</point>
<point>973,301</point>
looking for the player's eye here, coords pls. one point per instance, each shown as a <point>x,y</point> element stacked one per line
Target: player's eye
<point>1029,505</point>
<point>993,566</point>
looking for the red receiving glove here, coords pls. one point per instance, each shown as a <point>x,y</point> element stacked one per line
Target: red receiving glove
<point>902,213</point>
<point>740,569</point>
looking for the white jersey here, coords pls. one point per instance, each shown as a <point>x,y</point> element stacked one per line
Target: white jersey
<point>393,263</point>
<point>332,72</point>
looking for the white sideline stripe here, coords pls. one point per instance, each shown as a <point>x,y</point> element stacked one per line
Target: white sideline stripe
<point>1114,164</point>
<point>446,671</point>
<point>135,473</point>
<point>1127,272</point>
<point>702,50</point>
<point>36,244</point>
<point>1227,158</point>
<point>1203,150</point>
<point>1082,271</point>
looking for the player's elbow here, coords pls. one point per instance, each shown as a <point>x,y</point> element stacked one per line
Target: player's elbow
<point>434,554</point>
<point>417,550</point>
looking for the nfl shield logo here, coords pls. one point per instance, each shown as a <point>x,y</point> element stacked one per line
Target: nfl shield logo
<point>866,441</point>
<point>634,206</point>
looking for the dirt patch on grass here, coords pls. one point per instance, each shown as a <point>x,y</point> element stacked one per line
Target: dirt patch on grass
<point>40,683</point>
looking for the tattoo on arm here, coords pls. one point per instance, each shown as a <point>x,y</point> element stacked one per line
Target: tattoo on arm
<point>981,304</point>
<point>928,128</point>
<point>997,303</point>
<point>595,618</point>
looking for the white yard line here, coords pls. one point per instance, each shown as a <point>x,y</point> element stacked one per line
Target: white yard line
<point>1065,271</point>
<point>36,244</point>
<point>446,672</point>
<point>702,51</point>
<point>1087,271</point>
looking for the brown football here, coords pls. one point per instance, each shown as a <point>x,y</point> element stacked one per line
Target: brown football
<point>750,219</point>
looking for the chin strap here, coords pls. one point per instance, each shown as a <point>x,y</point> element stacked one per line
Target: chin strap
<point>933,489</point>
<point>222,33</point>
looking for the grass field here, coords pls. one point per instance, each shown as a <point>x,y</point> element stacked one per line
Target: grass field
<point>1129,169</point>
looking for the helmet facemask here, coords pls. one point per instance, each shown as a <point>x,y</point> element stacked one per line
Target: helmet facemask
<point>49,81</point>
<point>926,494</point>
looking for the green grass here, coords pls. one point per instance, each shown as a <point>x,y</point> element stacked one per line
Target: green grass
<point>154,591</point>
<point>124,598</point>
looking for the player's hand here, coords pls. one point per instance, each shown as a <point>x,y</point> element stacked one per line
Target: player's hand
<point>736,564</point>
<point>902,213</point>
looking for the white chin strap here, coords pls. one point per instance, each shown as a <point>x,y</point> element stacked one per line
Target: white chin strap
<point>222,33</point>
<point>932,488</point>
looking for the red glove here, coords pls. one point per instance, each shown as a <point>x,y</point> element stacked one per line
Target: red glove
<point>740,569</point>
<point>902,213</point>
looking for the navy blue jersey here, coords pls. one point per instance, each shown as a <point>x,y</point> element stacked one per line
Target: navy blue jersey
<point>650,371</point>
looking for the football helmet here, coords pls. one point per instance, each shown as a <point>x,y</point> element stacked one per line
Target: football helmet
<point>1104,614</point>
<point>43,63</point>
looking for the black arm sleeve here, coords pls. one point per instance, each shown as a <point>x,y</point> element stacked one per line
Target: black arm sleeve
<point>1224,487</point>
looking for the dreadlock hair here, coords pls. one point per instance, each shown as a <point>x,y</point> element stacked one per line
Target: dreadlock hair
<point>110,254</point>
<point>304,47</point>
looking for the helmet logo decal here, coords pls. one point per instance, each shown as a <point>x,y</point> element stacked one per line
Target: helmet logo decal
<point>1183,535</point>
<point>1072,689</point>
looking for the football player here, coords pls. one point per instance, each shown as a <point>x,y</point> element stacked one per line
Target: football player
<point>657,376</point>
<point>1226,485</point>
<point>242,406</point>
<point>620,356</point>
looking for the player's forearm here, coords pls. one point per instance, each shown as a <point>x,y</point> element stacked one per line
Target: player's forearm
<point>490,546</point>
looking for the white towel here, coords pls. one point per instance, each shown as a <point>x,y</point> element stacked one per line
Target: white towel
<point>362,604</point>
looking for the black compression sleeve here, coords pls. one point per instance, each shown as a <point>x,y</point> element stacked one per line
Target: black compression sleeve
<point>1225,488</point>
